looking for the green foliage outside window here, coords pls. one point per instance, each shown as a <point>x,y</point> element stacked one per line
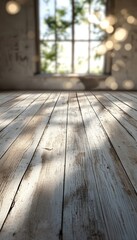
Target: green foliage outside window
<point>58,26</point>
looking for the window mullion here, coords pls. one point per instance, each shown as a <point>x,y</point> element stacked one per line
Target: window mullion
<point>56,63</point>
<point>89,40</point>
<point>73,36</point>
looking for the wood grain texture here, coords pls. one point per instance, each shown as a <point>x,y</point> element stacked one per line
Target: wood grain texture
<point>8,116</point>
<point>68,166</point>
<point>40,207</point>
<point>112,187</point>
<point>8,105</point>
<point>124,144</point>
<point>8,97</point>
<point>82,214</point>
<point>122,117</point>
<point>16,160</point>
<point>9,134</point>
<point>124,105</point>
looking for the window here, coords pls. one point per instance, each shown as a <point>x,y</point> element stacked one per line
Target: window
<point>70,36</point>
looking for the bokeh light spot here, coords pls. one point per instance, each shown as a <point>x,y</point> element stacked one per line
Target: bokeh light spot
<point>120,63</point>
<point>68,85</point>
<point>112,19</point>
<point>110,29</point>
<point>124,11</point>
<point>111,83</point>
<point>115,67</point>
<point>109,45</point>
<point>13,7</point>
<point>114,86</point>
<point>113,54</point>
<point>120,34</point>
<point>131,19</point>
<point>128,84</point>
<point>102,49</point>
<point>117,46</point>
<point>104,24</point>
<point>128,46</point>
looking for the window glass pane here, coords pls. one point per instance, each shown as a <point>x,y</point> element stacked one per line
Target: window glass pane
<point>48,57</point>
<point>81,31</point>
<point>64,19</point>
<point>96,61</point>
<point>81,57</point>
<point>81,21</point>
<point>96,17</point>
<point>47,19</point>
<point>64,57</point>
<point>96,33</point>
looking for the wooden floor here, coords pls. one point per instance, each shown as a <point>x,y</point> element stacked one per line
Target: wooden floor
<point>68,166</point>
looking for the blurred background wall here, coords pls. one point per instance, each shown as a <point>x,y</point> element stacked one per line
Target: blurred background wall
<point>19,58</point>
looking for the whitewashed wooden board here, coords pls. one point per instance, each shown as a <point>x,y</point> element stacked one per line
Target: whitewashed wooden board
<point>123,143</point>
<point>126,108</point>
<point>82,213</point>
<point>38,203</point>
<point>7,117</point>
<point>16,160</point>
<point>9,134</point>
<point>8,105</point>
<point>124,119</point>
<point>8,97</point>
<point>117,196</point>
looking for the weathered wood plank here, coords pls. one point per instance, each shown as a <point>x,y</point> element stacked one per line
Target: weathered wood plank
<point>124,119</point>
<point>127,109</point>
<point>95,173</point>
<point>130,96</point>
<point>8,105</point>
<point>116,194</point>
<point>9,97</point>
<point>82,215</point>
<point>133,94</point>
<point>9,134</point>
<point>120,96</point>
<point>16,160</point>
<point>4,94</point>
<point>124,144</point>
<point>37,211</point>
<point>8,117</point>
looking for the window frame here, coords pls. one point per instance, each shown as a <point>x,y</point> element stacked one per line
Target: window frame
<point>108,59</point>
